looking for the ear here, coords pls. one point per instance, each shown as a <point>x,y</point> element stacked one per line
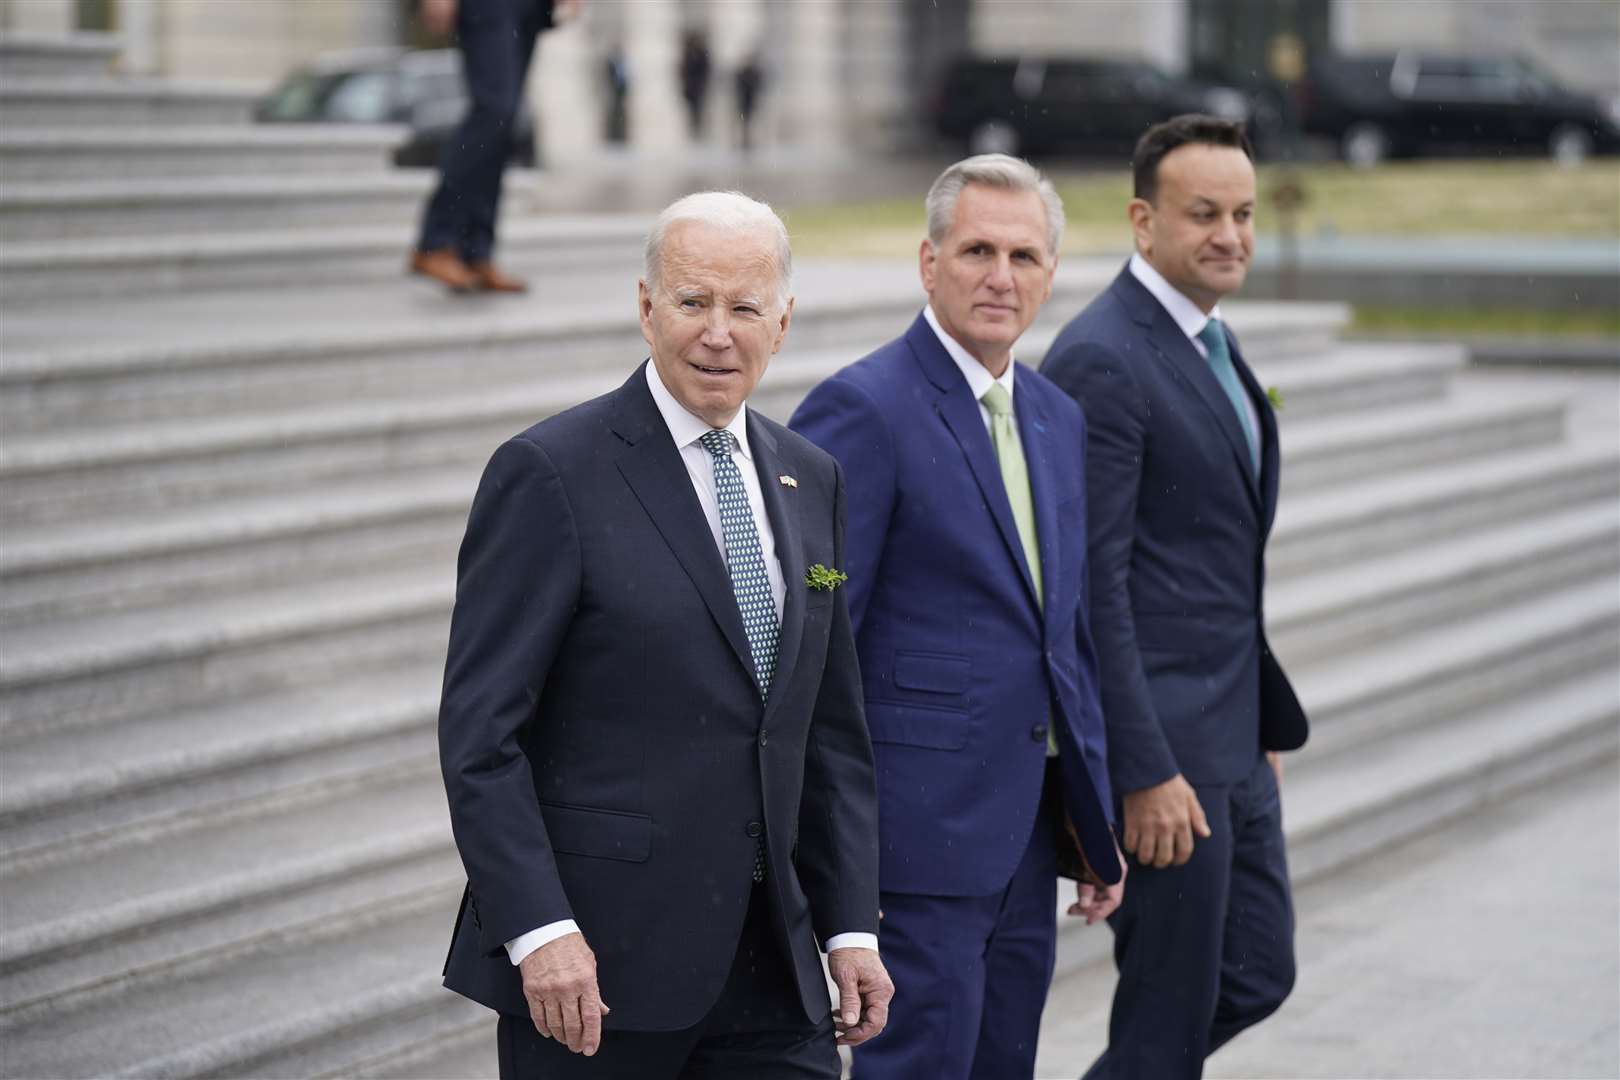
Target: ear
<point>1051,275</point>
<point>781,332</point>
<point>1140,212</point>
<point>644,306</point>
<point>926,258</point>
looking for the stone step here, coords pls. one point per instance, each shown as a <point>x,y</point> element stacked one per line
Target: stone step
<point>1397,788</point>
<point>40,211</point>
<point>1402,683</point>
<point>67,793</point>
<point>1315,617</point>
<point>1320,529</point>
<point>90,101</point>
<point>1474,422</point>
<point>214,889</point>
<point>37,155</point>
<point>72,271</point>
<point>299,1005</point>
<point>115,560</point>
<point>1351,377</point>
<point>84,54</point>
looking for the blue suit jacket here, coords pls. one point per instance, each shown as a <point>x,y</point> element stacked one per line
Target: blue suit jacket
<point>963,670</point>
<point>1178,533</point>
<point>605,748</point>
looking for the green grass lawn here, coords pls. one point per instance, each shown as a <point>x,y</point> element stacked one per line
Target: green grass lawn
<point>1503,322</point>
<point>1530,198</point>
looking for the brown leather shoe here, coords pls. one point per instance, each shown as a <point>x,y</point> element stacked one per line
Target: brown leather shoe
<point>492,280</point>
<point>445,267</point>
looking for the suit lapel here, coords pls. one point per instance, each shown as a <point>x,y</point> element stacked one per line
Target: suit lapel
<point>1035,432</point>
<point>1270,456</point>
<point>960,412</point>
<point>653,468</point>
<point>783,508</point>
<point>1175,349</point>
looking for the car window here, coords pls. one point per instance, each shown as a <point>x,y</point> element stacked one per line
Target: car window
<point>300,97</point>
<point>364,97</point>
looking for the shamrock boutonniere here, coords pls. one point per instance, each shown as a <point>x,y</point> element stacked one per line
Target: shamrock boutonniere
<point>821,579</point>
<point>1274,396</point>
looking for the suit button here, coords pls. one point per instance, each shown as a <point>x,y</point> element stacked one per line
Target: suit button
<point>1038,733</point>
<point>763,739</point>
<point>755,829</point>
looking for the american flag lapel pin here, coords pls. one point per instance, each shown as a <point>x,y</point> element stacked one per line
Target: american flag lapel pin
<point>787,481</point>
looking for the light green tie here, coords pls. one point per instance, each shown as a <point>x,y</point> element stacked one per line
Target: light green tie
<point>1015,478</point>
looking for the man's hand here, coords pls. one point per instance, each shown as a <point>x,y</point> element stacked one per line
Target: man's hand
<point>439,16</point>
<point>864,991</point>
<point>559,981</point>
<point>1275,760</point>
<point>1099,901</point>
<point>1161,821</point>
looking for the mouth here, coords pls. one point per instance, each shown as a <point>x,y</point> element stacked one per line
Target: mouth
<point>715,372</point>
<point>996,310</point>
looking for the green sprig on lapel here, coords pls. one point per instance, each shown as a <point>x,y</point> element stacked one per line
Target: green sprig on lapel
<point>1274,396</point>
<point>821,579</point>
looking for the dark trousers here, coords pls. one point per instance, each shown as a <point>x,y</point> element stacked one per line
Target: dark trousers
<point>756,1031</point>
<point>1204,950</point>
<point>970,974</point>
<point>496,38</point>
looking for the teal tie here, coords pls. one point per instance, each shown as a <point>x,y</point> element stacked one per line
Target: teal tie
<point>1213,335</point>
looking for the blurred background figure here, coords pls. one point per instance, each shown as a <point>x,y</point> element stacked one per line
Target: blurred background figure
<point>747,84</point>
<point>616,80</point>
<point>496,38</point>
<point>695,69</point>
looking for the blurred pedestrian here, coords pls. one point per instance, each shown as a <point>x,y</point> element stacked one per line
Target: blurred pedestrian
<point>616,79</point>
<point>967,575</point>
<point>496,39</point>
<point>695,69</point>
<point>747,84</point>
<point>1181,485</point>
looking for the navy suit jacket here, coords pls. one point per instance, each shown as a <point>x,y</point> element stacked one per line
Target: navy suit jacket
<point>1178,534</point>
<point>606,752</point>
<point>963,669</point>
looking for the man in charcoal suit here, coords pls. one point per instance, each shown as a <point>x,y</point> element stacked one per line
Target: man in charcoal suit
<point>659,776</point>
<point>967,563</point>
<point>1181,481</point>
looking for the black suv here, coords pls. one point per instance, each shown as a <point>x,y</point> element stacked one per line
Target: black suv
<point>1377,107</point>
<point>1056,104</point>
<point>422,90</point>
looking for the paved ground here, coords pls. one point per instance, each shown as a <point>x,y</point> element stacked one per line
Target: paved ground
<point>1490,948</point>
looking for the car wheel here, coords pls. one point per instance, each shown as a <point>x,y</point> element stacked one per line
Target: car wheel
<point>1570,145</point>
<point>1364,145</point>
<point>993,137</point>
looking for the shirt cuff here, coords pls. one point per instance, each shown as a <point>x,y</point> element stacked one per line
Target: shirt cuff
<point>852,941</point>
<point>524,944</point>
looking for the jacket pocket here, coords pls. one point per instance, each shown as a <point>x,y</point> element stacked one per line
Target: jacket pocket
<point>937,673</point>
<point>929,726</point>
<point>599,834</point>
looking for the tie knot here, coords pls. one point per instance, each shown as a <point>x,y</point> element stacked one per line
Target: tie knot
<point>1213,337</point>
<point>997,400</point>
<point>717,442</point>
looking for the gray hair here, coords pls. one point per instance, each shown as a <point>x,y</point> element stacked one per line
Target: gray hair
<point>723,210</point>
<point>997,171</point>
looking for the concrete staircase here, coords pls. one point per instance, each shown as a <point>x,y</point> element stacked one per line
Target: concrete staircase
<point>230,518</point>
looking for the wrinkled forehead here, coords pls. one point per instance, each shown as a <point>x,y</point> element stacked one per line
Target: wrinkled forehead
<point>999,215</point>
<point>701,254</point>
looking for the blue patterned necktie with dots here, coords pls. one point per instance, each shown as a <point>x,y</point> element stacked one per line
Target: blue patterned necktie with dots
<point>744,558</point>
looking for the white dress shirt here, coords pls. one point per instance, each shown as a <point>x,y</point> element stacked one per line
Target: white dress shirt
<point>977,375</point>
<point>686,429</point>
<point>1186,315</point>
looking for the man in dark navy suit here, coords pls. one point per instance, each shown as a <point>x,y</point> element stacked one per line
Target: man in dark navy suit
<point>1181,481</point>
<point>967,562</point>
<point>659,776</point>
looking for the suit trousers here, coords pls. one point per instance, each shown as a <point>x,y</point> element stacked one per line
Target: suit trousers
<point>970,972</point>
<point>1204,950</point>
<point>497,42</point>
<point>757,1030</point>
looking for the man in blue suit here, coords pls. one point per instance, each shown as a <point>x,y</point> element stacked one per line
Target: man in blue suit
<point>659,780</point>
<point>1181,480</point>
<point>967,582</point>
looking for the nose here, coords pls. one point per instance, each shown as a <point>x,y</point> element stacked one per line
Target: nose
<point>1001,275</point>
<point>1227,233</point>
<point>717,328</point>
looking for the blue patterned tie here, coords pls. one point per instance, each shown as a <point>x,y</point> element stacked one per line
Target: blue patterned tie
<point>1213,335</point>
<point>744,558</point>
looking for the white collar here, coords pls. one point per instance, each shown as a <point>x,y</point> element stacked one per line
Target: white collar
<point>684,427</point>
<point>977,375</point>
<point>1186,314</point>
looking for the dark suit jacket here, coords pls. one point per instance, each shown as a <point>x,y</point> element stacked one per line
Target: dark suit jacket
<point>606,752</point>
<point>1178,535</point>
<point>963,669</point>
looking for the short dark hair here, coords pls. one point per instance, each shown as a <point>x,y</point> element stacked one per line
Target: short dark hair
<point>1161,138</point>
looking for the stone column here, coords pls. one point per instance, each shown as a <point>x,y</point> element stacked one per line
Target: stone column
<point>37,16</point>
<point>652,44</point>
<point>807,96</point>
<point>564,96</point>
